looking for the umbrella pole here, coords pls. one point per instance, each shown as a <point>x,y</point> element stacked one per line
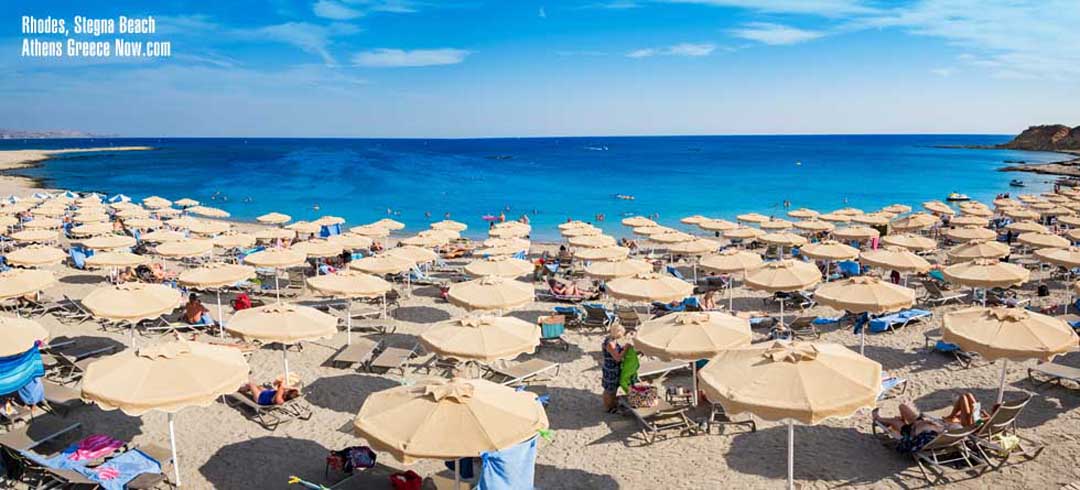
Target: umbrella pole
<point>277,285</point>
<point>348,323</point>
<point>862,339</point>
<point>172,444</point>
<point>782,324</point>
<point>1004,371</point>
<point>731,293</point>
<point>457,474</point>
<point>285,357</point>
<point>131,335</point>
<point>221,316</point>
<point>693,369</point>
<point>791,455</point>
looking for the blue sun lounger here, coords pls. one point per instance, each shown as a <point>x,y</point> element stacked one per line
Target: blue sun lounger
<point>898,320</point>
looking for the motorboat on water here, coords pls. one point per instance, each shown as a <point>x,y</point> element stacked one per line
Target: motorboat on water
<point>1017,183</point>
<point>956,196</point>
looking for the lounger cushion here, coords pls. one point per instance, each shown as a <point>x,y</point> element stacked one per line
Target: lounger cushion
<point>881,324</point>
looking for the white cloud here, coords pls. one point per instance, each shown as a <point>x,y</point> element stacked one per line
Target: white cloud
<point>311,38</point>
<point>824,8</point>
<point>684,49</point>
<point>774,34</point>
<point>330,9</point>
<point>943,72</point>
<point>385,58</point>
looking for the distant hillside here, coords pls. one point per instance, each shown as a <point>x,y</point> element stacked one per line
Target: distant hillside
<point>1051,137</point>
<point>15,134</point>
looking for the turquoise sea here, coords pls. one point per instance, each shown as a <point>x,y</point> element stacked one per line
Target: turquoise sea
<point>551,179</point>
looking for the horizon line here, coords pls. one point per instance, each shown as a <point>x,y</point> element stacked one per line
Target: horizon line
<point>452,138</point>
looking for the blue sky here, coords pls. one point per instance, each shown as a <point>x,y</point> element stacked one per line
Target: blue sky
<point>472,68</point>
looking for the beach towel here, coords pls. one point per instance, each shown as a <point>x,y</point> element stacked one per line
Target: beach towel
<point>118,471</point>
<point>18,370</point>
<point>883,323</point>
<point>32,393</point>
<point>93,447</point>
<point>629,368</point>
<point>512,468</point>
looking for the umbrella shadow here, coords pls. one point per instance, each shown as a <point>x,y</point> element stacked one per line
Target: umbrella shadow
<point>82,279</point>
<point>277,459</point>
<point>87,343</point>
<point>115,423</point>
<point>572,408</point>
<point>345,393</point>
<point>890,358</point>
<point>763,453</point>
<point>552,477</point>
<point>530,316</point>
<point>419,314</point>
<point>1039,410</point>
<point>427,292</point>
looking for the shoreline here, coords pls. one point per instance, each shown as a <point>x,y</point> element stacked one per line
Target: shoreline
<point>1066,168</point>
<point>14,160</point>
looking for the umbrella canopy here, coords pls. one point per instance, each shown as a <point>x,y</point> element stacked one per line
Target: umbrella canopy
<point>445,235</point>
<point>1043,240</point>
<point>580,231</point>
<point>278,258</point>
<point>209,212</point>
<point>896,259</point>
<point>143,223</point>
<point>917,221</point>
<point>637,221</point>
<point>835,217</point>
<point>986,273</point>
<point>109,242</point>
<point>969,233</point>
<point>132,301</point>
<point>449,419</point>
<point>1026,227</point>
<point>938,207</point>
<point>482,338</point>
<point>309,228</point>
<point>978,249</point>
<point>451,225</point>
<point>592,241</point>
<point>351,241</point>
<point>185,248</point>
<point>317,248</point>
<point>849,211</point>
<point>329,220</point>
<point>865,294</point>
<point>743,232</point>
<point>915,243</point>
<point>389,224</point>
<point>21,282</point>
<point>857,233</point>
<point>783,276</point>
<point>804,382</point>
<point>1069,220</point>
<point>212,276</point>
<point>731,261</point>
<point>689,336</point>
<point>606,253</point>
<point>413,254</point>
<point>697,246</point>
<point>116,259</point>
<point>875,219</point>
<point>499,266</point>
<point>717,225</point>
<point>18,335</point>
<point>1065,257</point>
<point>283,323</point>
<point>815,225</point>
<point>275,234</point>
<point>572,224</point>
<point>693,220</point>
<point>370,231</point>
<point>803,213</point>
<point>775,224</point>
<point>37,236</point>
<point>783,239</point>
<point>35,256</point>
<point>274,218</point>
<point>616,269</point>
<point>186,202</point>
<point>508,232</point>
<point>43,224</point>
<point>91,229</point>
<point>752,218</point>
<point>1014,334</point>
<point>162,236</point>
<point>970,221</point>
<point>349,284</point>
<point>382,264</point>
<point>829,250</point>
<point>203,227</point>
<point>155,202</point>
<point>1021,213</point>
<point>673,237</point>
<point>234,240</point>
<point>520,243</point>
<point>649,286</point>
<point>490,293</point>
<point>425,241</point>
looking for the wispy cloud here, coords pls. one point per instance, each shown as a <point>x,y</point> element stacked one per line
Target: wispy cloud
<point>389,58</point>
<point>615,5</point>
<point>311,38</point>
<point>823,8</point>
<point>684,49</point>
<point>774,34</point>
<point>331,9</point>
<point>943,72</point>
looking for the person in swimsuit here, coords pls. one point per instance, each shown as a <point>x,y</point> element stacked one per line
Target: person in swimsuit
<point>276,394</point>
<point>916,429</point>
<point>195,313</point>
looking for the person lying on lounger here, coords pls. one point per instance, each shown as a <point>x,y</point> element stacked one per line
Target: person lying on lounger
<point>916,429</point>
<point>276,393</point>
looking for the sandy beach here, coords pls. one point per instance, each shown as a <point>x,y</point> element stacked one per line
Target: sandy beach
<point>221,448</point>
<point>16,159</point>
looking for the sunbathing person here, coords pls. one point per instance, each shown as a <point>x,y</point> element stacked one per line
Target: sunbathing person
<point>563,289</point>
<point>916,429</point>
<point>195,313</point>
<point>277,393</point>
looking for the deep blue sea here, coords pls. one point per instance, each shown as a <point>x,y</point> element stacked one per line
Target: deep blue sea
<point>551,179</point>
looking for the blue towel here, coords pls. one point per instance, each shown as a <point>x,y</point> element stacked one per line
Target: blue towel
<point>943,346</point>
<point>32,393</point>
<point>825,320</point>
<point>18,370</point>
<point>329,230</point>
<point>78,257</point>
<point>130,465</point>
<point>509,469</point>
<point>849,268</point>
<point>881,324</point>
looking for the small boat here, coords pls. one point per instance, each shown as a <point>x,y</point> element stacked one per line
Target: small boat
<point>1017,183</point>
<point>624,197</point>
<point>956,196</point>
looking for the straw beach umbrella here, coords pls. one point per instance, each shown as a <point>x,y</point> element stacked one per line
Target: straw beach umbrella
<point>317,248</point>
<point>490,293</point>
<point>43,224</point>
<point>915,243</point>
<point>1026,227</point>
<point>743,233</point>
<point>36,236</point>
<point>309,228</point>
<point>792,382</point>
<point>895,258</point>
<point>829,250</point>
<point>216,277</point>
<point>21,282</point>
<point>209,212</point>
<point>167,377</point>
<point>370,231</point>
<point>592,241</point>
<point>282,323</point>
<point>651,230</point>
<point>970,233</point>
<point>416,255</point>
<point>783,276</point>
<point>969,221</point>
<point>637,221</point>
<point>481,338</point>
<point>986,273</point>
<point>162,236</point>
<point>606,253</point>
<point>234,240</point>
<point>18,335</point>
<point>1065,257</point>
<point>674,237</point>
<point>350,284</point>
<point>717,225</point>
<point>186,202</point>
<point>131,302</point>
<point>499,266</point>
<point>425,241</point>
<point>865,294</point>
<point>649,286</point>
<point>803,213</point>
<point>775,224</point>
<point>876,219</point>
<point>731,261</point>
<point>815,226</point>
<point>271,234</point>
<point>834,218</point>
<point>616,269</point>
<point>691,336</point>
<point>978,249</point>
<point>274,218</point>
<point>1008,334</point>
<point>203,227</point>
<point>35,256</point>
<point>450,225</point>
<point>857,233</point>
<point>109,242</point>
<point>697,246</point>
<point>917,221</point>
<point>276,258</point>
<point>693,220</point>
<point>179,249</point>
<point>1042,240</point>
<point>581,231</point>
<point>938,207</point>
<point>351,241</point>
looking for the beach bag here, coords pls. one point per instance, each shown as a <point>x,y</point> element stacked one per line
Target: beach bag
<point>552,327</point>
<point>242,302</point>
<point>351,458</point>
<point>643,396</point>
<point>406,480</point>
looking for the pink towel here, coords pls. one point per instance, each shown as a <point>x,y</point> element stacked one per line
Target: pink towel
<point>95,446</point>
<point>108,472</point>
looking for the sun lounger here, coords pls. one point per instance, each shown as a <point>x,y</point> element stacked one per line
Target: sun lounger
<point>998,437</point>
<point>549,295</point>
<point>948,451</point>
<point>651,367</point>
<point>719,418</point>
<point>891,387</point>
<point>934,343</point>
<point>937,297</point>
<point>1051,372</point>
<point>513,373</point>
<point>391,358</point>
<point>803,327</point>
<point>628,317</point>
<point>899,320</point>
<point>71,311</point>
<point>270,416</point>
<point>552,329</point>
<point>596,317</point>
<point>147,481</point>
<point>61,399</point>
<point>67,365</point>
<point>39,431</point>
<point>358,354</point>
<point>658,421</point>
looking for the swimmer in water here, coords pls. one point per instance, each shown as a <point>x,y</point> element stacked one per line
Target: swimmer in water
<point>315,207</point>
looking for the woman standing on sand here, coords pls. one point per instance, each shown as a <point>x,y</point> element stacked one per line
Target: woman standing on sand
<point>611,367</point>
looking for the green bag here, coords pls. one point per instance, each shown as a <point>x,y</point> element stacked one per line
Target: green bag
<point>629,369</point>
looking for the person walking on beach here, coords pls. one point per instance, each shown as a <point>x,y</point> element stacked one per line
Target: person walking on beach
<point>614,347</point>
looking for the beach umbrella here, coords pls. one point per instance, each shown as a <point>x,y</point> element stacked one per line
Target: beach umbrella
<point>649,286</point>
<point>166,377</point>
<point>132,212</point>
<point>167,213</point>
<point>519,244</point>
<point>856,233</point>
<point>481,338</point>
<point>731,261</point>
<point>181,222</point>
<point>606,253</point>
<point>18,335</point>
<point>216,277</point>
<point>282,323</point>
<point>697,246</point>
<point>274,218</point>
<point>834,217</point>
<point>1056,211</point>
<point>637,221</point>
<point>499,266</point>
<point>7,222</point>
<point>1005,202</point>
<point>970,233</point>
<point>389,224</point>
<point>693,220</point>
<point>674,237</point>
<point>414,254</point>
<point>581,231</point>
<point>1068,257</point>
<point>276,258</point>
<point>490,293</point>
<point>592,241</point>
<point>162,236</point>
<point>876,219</point>
<point>717,225</point>
<point>445,235</point>
<point>913,222</point>
<point>35,256</point>
<point>652,230</point>
<point>865,294</point>
<point>131,302</point>
<point>453,225</point>
<point>978,249</point>
<point>155,202</point>
<point>115,260</point>
<point>270,234</point>
<point>109,242</point>
<point>803,213</point>
<point>43,224</point>
<point>317,248</point>
<point>938,207</point>
<point>35,236</point>
<point>976,212</point>
<point>351,241</point>
<point>203,227</point>
<point>1021,213</point>
<point>895,258</point>
<point>185,248</point>
<point>508,232</point>
<point>783,239</point>
<point>90,218</point>
<point>1029,198</point>
<point>815,225</point>
<point>775,224</point>
<point>783,276</point>
<point>1008,334</point>
<point>309,228</point>
<point>209,212</point>
<point>896,209</point>
<point>424,241</point>
<point>350,284</point>
<point>573,224</point>
<point>752,218</point>
<point>969,221</point>
<point>829,250</point>
<point>849,211</point>
<point>186,202</point>
<point>329,221</point>
<point>370,231</point>
<point>143,224</point>
<point>49,212</point>
<point>234,240</point>
<point>1026,227</point>
<point>15,283</point>
<point>691,336</point>
<point>792,382</point>
<point>1043,240</point>
<point>1069,220</point>
<point>915,243</point>
<point>616,269</point>
<point>986,273</point>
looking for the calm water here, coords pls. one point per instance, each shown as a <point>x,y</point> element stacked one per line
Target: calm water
<point>549,178</point>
